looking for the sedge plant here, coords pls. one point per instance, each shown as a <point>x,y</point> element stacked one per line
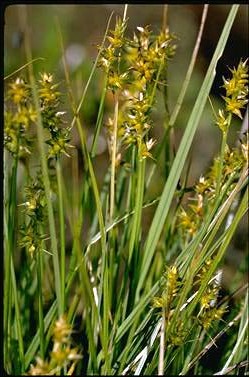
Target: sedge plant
<point>116,299</point>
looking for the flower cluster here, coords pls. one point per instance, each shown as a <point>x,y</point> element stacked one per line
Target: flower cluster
<point>209,308</point>
<point>233,162</point>
<point>209,305</point>
<point>178,335</point>
<point>62,356</point>
<point>35,209</point>
<point>170,289</point>
<point>111,57</point>
<point>236,95</point>
<point>150,54</point>
<point>20,114</point>
<point>191,218</point>
<point>237,89</point>
<point>18,117</point>
<point>147,57</point>
<point>134,67</point>
<point>210,315</point>
<point>51,117</point>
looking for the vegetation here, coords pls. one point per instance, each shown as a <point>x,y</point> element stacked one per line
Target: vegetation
<point>89,287</point>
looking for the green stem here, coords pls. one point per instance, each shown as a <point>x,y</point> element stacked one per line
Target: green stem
<point>108,261</point>
<point>99,118</point>
<point>113,159</point>
<point>138,190</point>
<point>40,304</point>
<point>135,230</point>
<point>62,233</point>
<point>106,306</point>
<point>10,245</point>
<point>221,160</point>
<point>17,317</point>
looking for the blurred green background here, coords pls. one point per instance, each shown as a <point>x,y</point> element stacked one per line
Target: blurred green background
<point>83,28</point>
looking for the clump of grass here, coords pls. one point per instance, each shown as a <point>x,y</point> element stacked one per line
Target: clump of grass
<point>117,300</point>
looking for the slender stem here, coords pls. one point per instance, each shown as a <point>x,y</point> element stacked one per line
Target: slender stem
<point>62,233</point>
<point>99,118</point>
<point>17,317</point>
<point>40,305</point>
<point>10,244</point>
<point>7,297</point>
<point>221,163</point>
<point>165,15</point>
<point>135,230</point>
<point>21,68</point>
<point>113,158</point>
<point>125,12</point>
<point>190,68</point>
<point>138,192</point>
<point>106,306</point>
